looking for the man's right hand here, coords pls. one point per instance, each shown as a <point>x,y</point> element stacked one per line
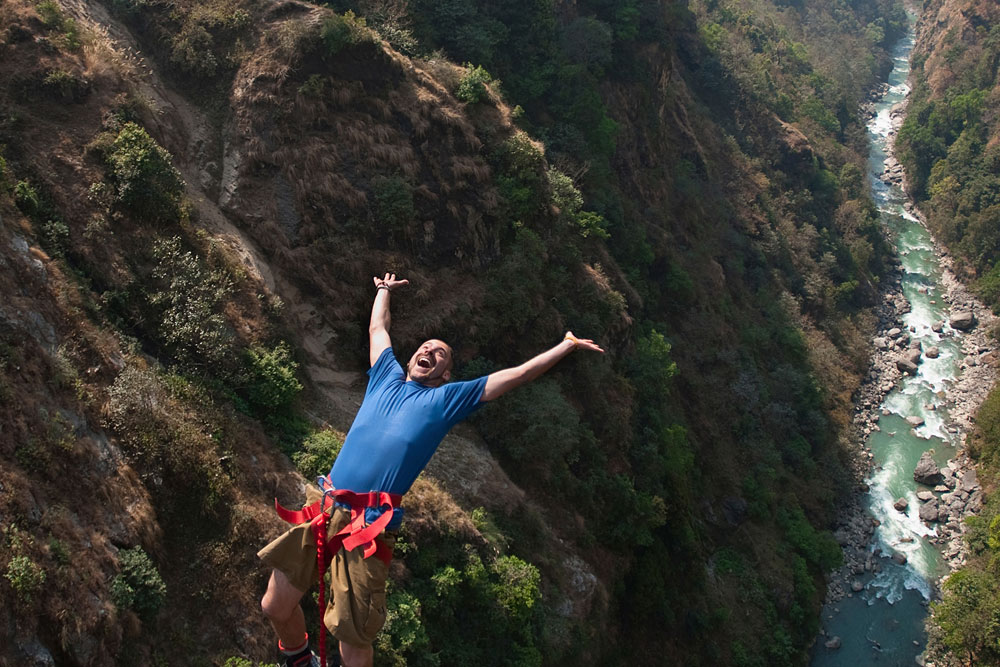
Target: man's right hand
<point>389,281</point>
<point>378,328</point>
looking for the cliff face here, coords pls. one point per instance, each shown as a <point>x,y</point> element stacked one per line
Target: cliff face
<point>195,197</point>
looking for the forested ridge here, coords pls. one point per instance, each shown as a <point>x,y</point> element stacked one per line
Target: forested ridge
<point>949,144</point>
<point>194,197</point>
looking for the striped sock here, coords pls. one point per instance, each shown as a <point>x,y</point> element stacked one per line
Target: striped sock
<point>295,650</point>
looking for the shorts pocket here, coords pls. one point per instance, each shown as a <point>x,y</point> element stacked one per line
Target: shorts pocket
<point>376,615</point>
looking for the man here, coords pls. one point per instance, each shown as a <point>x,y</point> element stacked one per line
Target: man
<point>401,422</point>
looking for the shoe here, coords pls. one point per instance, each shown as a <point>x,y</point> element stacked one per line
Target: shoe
<point>305,659</point>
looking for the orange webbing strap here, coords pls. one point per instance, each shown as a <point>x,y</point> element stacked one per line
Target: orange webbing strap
<point>354,534</point>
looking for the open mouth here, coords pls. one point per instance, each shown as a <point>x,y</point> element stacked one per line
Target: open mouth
<point>424,362</point>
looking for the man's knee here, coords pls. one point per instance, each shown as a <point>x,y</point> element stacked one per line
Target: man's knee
<point>356,656</point>
<point>281,597</point>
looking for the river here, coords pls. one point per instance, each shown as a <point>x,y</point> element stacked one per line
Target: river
<point>883,624</point>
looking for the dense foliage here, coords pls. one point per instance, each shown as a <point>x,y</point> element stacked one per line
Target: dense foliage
<point>967,619</point>
<point>949,144</point>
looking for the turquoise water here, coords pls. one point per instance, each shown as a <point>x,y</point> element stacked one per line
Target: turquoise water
<point>884,623</point>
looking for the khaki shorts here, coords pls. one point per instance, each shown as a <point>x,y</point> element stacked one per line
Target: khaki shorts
<point>356,610</point>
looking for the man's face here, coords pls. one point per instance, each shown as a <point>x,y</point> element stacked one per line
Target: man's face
<point>431,364</point>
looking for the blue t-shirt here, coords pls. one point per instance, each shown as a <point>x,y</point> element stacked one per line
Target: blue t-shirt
<point>399,427</point>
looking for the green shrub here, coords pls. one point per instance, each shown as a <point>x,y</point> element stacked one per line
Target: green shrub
<point>818,548</point>
<point>192,51</point>
<point>338,32</point>
<point>26,198</point>
<point>49,12</point>
<point>146,182</point>
<point>63,85</point>
<point>128,8</point>
<point>403,638</point>
<point>55,237</point>
<point>318,453</point>
<point>314,86</point>
<point>393,202</point>
<point>472,86</point>
<point>517,587</point>
<point>52,16</point>
<point>569,200</point>
<point>189,297</point>
<point>520,173</point>
<point>237,662</point>
<point>969,616</point>
<point>273,385</point>
<point>25,576</point>
<point>138,585</point>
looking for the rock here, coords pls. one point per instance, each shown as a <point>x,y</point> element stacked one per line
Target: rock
<point>912,355</point>
<point>734,509</point>
<point>929,511</point>
<point>924,496</point>
<point>933,352</point>
<point>901,505</point>
<point>38,655</point>
<point>963,320</point>
<point>857,586</point>
<point>906,366</point>
<point>894,332</point>
<point>833,643</point>
<point>975,502</point>
<point>927,472</point>
<point>915,421</point>
<point>969,481</point>
<point>899,558</point>
<point>937,327</point>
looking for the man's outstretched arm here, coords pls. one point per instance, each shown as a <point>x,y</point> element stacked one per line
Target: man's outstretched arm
<point>378,327</point>
<point>501,382</point>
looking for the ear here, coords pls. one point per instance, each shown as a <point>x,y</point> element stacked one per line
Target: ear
<point>446,376</point>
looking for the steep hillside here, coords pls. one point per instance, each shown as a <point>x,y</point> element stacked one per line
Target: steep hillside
<point>195,197</point>
<point>950,143</point>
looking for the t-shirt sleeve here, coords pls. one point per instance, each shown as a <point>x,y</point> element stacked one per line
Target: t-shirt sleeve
<point>461,399</point>
<point>385,369</point>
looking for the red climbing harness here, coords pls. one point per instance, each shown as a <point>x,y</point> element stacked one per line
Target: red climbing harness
<point>354,534</point>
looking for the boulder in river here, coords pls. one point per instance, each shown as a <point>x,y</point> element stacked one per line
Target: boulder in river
<point>901,505</point>
<point>915,421</point>
<point>933,352</point>
<point>930,511</point>
<point>833,643</point>
<point>963,320</point>
<point>927,472</point>
<point>937,327</point>
<point>906,366</point>
<point>924,496</point>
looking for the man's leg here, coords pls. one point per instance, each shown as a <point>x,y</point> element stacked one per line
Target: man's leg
<point>356,656</point>
<point>281,606</point>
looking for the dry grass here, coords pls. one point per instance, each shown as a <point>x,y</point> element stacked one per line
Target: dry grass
<point>429,508</point>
